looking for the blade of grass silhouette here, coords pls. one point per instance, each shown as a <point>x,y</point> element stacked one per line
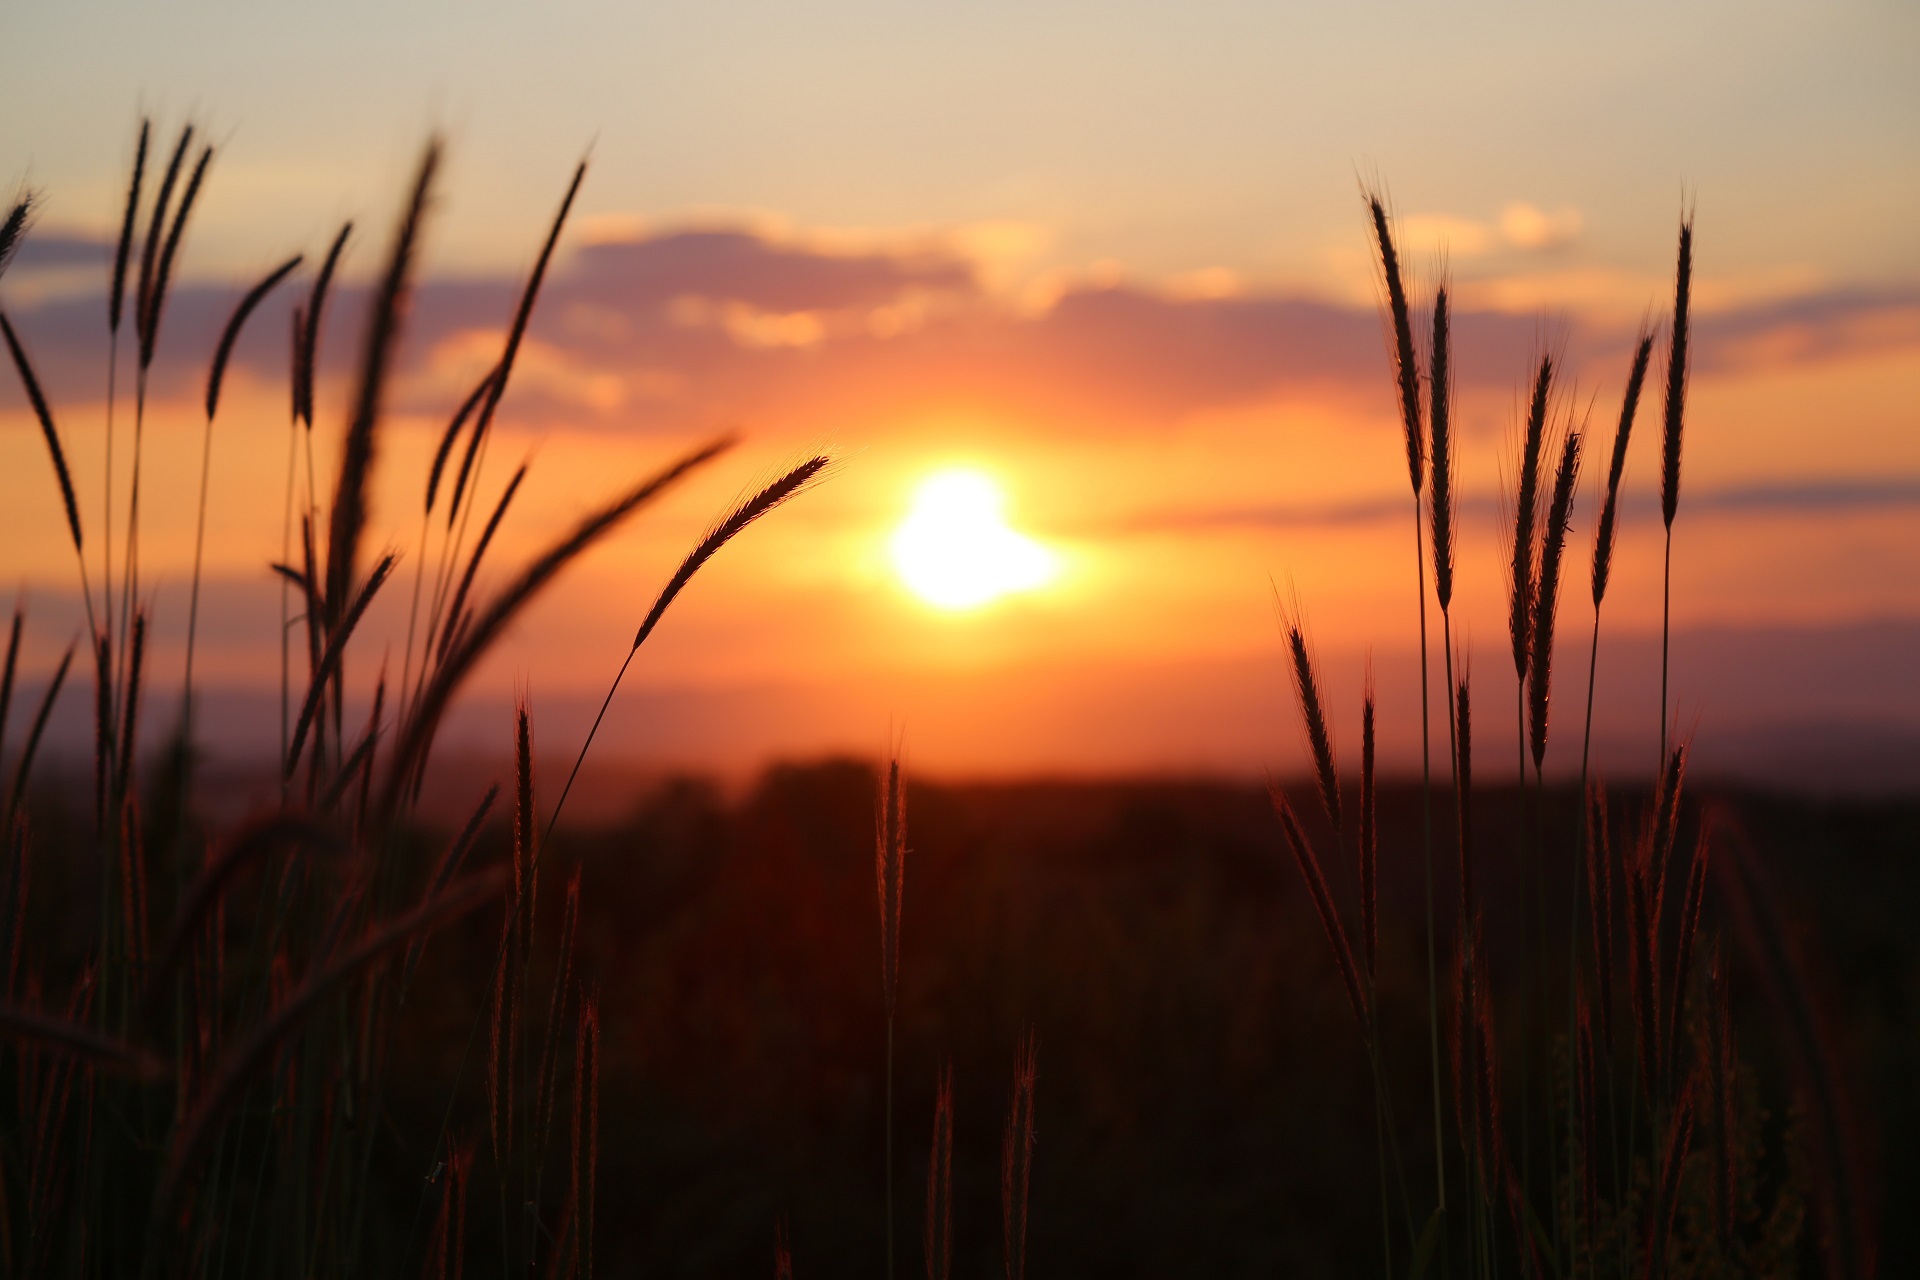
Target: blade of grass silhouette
<point>474,459</point>
<point>331,658</point>
<point>156,228</point>
<point>308,349</point>
<point>195,1128</point>
<point>1672,424</point>
<point>413,743</point>
<point>32,747</point>
<point>448,632</point>
<point>77,1040</point>
<point>216,376</point>
<point>447,440</point>
<point>156,268</point>
<point>6,676</point>
<point>13,229</point>
<point>729,526</point>
<point>116,305</point>
<point>44,415</point>
<point>349,515</point>
<point>443,874</point>
<point>207,889</point>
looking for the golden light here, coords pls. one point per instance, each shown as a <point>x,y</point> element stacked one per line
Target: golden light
<point>955,551</point>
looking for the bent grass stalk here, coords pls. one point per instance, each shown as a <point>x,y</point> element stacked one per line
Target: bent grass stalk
<point>724,531</point>
<point>222,354</point>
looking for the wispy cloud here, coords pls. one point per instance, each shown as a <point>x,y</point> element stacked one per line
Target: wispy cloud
<point>677,327</point>
<point>1840,496</point>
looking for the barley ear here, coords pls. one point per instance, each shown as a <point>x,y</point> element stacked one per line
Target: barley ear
<point>1406,364</point>
<point>1603,536</point>
<point>1441,419</point>
<point>1540,658</point>
<point>1313,714</point>
<point>13,228</point>
<point>116,299</point>
<point>1520,580</point>
<point>729,526</point>
<point>1674,420</point>
<point>156,228</point>
<point>163,273</point>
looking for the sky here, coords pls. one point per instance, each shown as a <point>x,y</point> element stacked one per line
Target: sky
<point>1110,257</point>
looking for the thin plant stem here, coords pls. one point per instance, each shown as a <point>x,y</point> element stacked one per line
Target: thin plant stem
<point>130,562</point>
<point>413,617</point>
<point>1526,987</point>
<point>193,593</point>
<point>286,620</point>
<point>1666,613</point>
<point>890,1147</point>
<point>1426,837</point>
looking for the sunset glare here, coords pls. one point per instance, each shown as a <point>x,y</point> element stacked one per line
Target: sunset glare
<point>955,551</point>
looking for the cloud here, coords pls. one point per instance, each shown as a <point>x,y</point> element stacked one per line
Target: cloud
<point>1526,226</point>
<point>1853,495</point>
<point>1520,226</point>
<point>682,328</point>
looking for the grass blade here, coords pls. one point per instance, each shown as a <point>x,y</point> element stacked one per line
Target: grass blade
<point>231,334</point>
<point>308,342</point>
<point>349,515</point>
<point>449,626</point>
<point>13,229</point>
<point>232,1073</point>
<point>24,769</point>
<point>44,415</point>
<point>330,660</point>
<point>156,226</point>
<point>1547,595</point>
<point>504,607</point>
<point>116,299</point>
<point>163,274</point>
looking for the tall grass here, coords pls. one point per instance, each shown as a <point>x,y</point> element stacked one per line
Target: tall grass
<point>1600,1188</point>
<point>192,1093</point>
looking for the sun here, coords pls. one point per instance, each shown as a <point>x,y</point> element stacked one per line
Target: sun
<point>955,551</point>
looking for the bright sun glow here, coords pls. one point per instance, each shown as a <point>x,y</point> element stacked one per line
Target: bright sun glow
<point>956,552</point>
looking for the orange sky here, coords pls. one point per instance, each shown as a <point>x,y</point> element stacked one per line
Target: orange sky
<point>1181,428</point>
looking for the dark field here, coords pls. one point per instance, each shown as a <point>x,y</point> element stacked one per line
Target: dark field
<point>1202,1106</point>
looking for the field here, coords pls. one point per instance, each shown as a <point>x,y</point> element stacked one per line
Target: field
<point>1477,1022</point>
